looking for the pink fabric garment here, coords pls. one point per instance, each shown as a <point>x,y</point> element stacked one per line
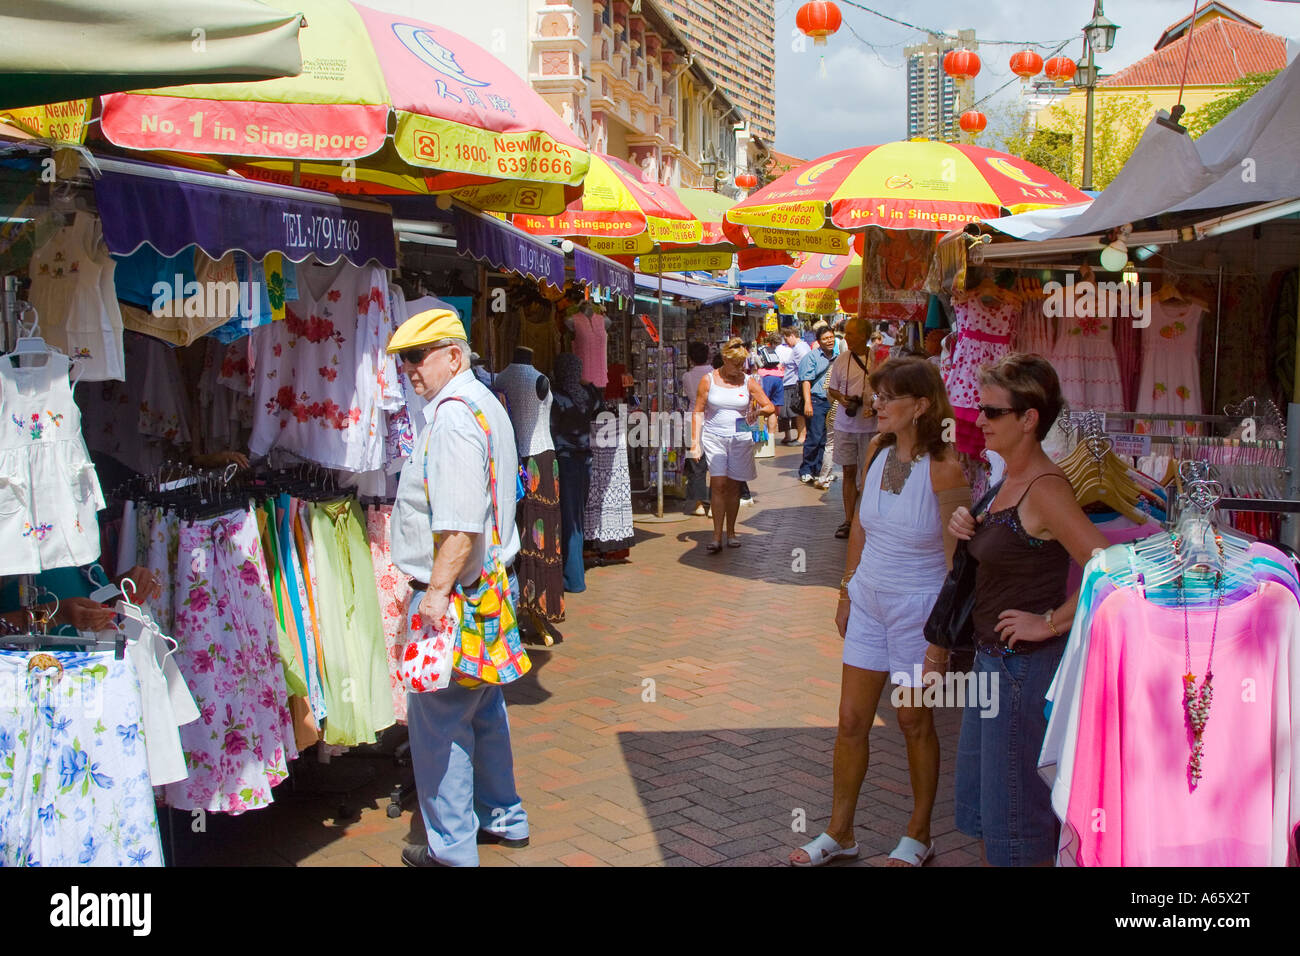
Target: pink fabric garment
<point>394,591</point>
<point>1119,531</point>
<point>983,337</point>
<point>590,343</point>
<point>1084,359</point>
<point>1130,798</point>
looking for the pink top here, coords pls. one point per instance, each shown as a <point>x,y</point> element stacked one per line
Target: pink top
<point>590,345</point>
<point>1130,800</point>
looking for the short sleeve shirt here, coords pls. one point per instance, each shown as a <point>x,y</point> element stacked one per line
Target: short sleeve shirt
<point>458,498</point>
<point>847,378</point>
<point>811,367</point>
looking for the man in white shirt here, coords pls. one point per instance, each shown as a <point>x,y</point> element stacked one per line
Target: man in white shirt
<point>791,353</point>
<point>855,421</point>
<point>460,738</point>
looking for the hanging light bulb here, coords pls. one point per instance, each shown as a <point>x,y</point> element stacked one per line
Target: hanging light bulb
<point>1114,256</point>
<point>1130,275</point>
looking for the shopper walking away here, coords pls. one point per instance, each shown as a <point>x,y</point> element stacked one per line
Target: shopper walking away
<point>455,500</point>
<point>726,403</point>
<point>696,469</point>
<point>813,369</point>
<point>849,386</point>
<point>898,556</point>
<point>771,376</point>
<point>1023,543</point>
<point>573,409</point>
<point>791,352</point>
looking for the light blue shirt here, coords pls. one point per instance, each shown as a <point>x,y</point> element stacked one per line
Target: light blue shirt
<point>811,367</point>
<point>458,498</point>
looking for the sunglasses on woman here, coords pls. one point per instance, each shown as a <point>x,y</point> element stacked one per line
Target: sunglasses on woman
<point>994,412</point>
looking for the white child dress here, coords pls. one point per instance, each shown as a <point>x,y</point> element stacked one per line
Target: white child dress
<point>49,492</point>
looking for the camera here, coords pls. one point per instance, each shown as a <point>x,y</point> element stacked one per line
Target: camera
<point>852,407</point>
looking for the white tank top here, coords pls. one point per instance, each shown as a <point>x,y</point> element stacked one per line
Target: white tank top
<point>726,403</point>
<point>903,550</point>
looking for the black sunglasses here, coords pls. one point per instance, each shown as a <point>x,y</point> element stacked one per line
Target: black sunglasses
<point>416,356</point>
<point>994,412</point>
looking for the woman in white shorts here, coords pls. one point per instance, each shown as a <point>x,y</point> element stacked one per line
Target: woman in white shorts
<point>726,403</point>
<point>898,555</point>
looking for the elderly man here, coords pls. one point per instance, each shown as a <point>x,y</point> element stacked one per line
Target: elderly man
<point>460,739</point>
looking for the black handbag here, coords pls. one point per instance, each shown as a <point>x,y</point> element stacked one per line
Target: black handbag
<point>950,624</point>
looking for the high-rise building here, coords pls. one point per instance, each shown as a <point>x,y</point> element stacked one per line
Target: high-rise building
<point>935,100</point>
<point>737,42</point>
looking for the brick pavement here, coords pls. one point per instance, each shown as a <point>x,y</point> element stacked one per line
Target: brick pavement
<point>687,719</point>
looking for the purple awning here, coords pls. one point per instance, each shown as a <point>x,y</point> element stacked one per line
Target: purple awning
<point>603,273</point>
<point>172,208</point>
<point>506,247</point>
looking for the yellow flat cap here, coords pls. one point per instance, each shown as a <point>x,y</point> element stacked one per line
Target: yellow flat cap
<point>425,328</point>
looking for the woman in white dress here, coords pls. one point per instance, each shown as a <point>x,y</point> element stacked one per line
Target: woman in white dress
<point>727,403</point>
<point>899,553</point>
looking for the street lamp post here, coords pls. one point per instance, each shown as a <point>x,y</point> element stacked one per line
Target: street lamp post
<point>1099,37</point>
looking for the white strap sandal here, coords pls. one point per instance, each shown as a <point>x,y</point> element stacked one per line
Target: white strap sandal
<point>824,849</point>
<point>912,852</point>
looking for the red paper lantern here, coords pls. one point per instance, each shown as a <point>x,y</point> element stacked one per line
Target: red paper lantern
<point>746,180</point>
<point>973,121</point>
<point>961,64</point>
<point>1059,69</point>
<point>1026,64</point>
<point>818,19</point>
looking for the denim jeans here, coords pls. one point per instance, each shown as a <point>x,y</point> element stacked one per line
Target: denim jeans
<point>575,479</point>
<point>1000,797</point>
<point>814,446</point>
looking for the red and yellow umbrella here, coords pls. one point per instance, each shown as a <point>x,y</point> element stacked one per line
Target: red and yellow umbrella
<point>821,284</point>
<point>379,92</point>
<point>619,214</point>
<point>916,184</point>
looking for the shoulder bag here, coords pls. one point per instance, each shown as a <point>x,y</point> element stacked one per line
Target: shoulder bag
<point>487,648</point>
<point>950,623</point>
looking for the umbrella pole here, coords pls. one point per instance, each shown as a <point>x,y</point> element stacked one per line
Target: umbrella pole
<point>659,394</point>
<point>862,290</point>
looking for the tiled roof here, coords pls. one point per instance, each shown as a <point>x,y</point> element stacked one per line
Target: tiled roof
<point>1222,51</point>
<point>1210,10</point>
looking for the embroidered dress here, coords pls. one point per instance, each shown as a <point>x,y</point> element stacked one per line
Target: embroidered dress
<point>225,625</point>
<point>1171,375</point>
<point>74,776</point>
<point>607,524</point>
<point>983,336</point>
<point>321,378</point>
<point>49,492</point>
<point>72,290</point>
<point>1085,362</point>
<point>394,591</point>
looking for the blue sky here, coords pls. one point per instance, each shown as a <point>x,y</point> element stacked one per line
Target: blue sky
<point>862,99</point>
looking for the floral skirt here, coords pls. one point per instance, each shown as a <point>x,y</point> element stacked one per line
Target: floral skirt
<point>540,565</point>
<point>394,591</point>
<point>74,774</point>
<point>240,746</point>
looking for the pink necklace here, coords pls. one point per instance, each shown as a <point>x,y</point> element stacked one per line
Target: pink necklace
<point>1197,700</point>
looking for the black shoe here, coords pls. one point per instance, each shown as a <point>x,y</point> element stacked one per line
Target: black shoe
<point>418,856</point>
<point>488,838</point>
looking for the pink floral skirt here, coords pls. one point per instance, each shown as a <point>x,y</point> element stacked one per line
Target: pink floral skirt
<point>240,746</point>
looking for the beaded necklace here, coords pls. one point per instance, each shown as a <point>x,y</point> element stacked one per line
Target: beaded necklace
<point>1197,700</point>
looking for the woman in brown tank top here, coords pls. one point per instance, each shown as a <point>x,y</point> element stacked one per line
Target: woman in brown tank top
<point>1023,544</point>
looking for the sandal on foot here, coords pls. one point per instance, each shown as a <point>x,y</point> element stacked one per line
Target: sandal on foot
<point>824,849</point>
<point>733,542</point>
<point>713,547</point>
<point>843,530</point>
<point>912,852</point>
